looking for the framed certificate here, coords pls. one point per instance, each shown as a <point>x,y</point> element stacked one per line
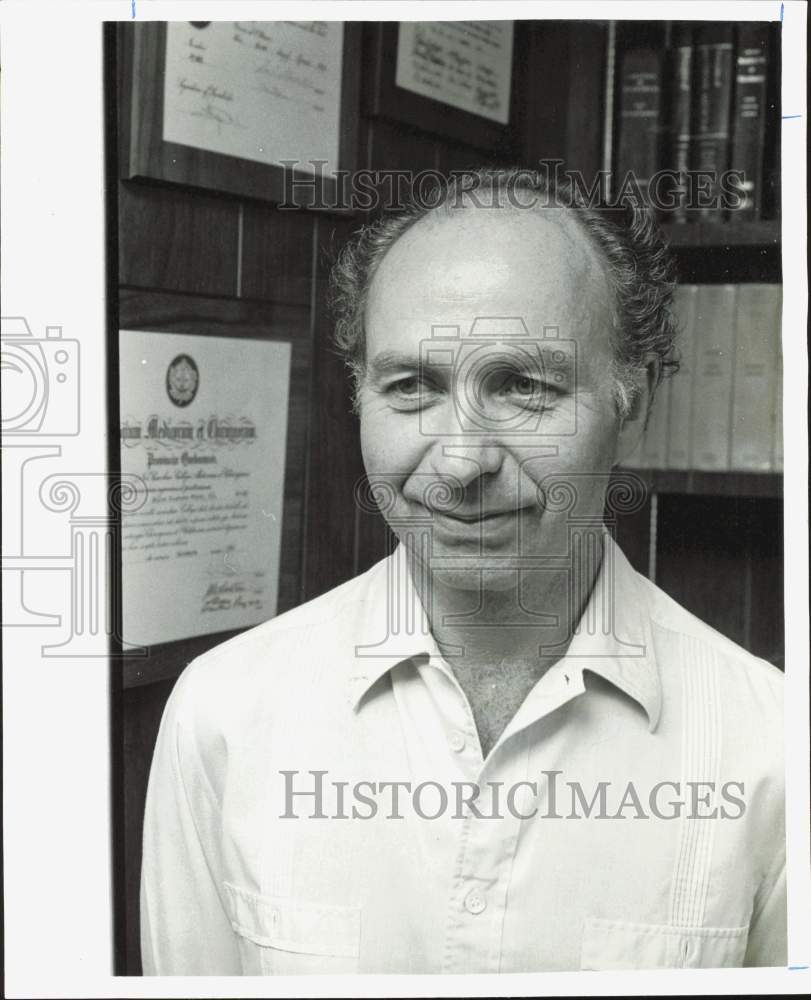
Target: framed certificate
<point>203,435</point>
<point>454,78</point>
<point>244,107</point>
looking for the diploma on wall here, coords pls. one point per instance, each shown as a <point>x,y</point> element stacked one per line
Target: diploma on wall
<point>466,64</point>
<point>204,427</point>
<point>258,90</point>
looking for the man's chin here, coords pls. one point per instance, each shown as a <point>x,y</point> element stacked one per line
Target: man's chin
<point>477,579</point>
<point>463,568</point>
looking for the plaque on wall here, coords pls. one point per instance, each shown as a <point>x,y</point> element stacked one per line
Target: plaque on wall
<point>453,78</point>
<point>206,438</point>
<point>263,91</point>
<point>464,64</point>
<point>241,107</point>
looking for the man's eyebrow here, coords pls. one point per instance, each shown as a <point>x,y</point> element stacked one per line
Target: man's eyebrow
<point>552,358</point>
<point>386,362</point>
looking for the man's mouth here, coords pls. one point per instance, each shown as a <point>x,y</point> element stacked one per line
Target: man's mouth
<point>476,517</point>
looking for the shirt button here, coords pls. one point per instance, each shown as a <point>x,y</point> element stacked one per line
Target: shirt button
<point>475,902</point>
<point>456,741</point>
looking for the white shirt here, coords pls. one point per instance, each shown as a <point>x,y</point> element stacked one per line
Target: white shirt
<point>352,684</point>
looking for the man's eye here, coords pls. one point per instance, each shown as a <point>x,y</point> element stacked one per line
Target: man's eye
<point>525,386</point>
<point>525,389</point>
<point>406,387</point>
<point>410,393</point>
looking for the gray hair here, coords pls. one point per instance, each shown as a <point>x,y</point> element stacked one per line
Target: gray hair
<point>638,266</point>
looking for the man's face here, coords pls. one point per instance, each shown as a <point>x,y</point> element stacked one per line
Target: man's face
<point>488,372</point>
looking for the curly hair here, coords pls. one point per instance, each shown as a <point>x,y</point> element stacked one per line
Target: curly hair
<point>638,266</point>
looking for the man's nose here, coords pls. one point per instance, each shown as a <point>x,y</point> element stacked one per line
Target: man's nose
<point>465,458</point>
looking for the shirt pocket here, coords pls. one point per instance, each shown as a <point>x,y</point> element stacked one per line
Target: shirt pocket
<point>618,944</point>
<point>281,936</point>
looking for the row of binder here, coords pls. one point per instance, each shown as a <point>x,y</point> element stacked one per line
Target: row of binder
<point>722,411</point>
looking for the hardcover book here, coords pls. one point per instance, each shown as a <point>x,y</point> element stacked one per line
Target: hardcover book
<point>713,109</point>
<point>679,452</point>
<point>749,116</point>
<point>757,360</point>
<point>639,119</point>
<point>712,391</point>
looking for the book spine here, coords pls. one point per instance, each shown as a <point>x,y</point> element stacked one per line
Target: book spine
<point>712,392</point>
<point>639,121</point>
<point>749,115</point>
<point>679,452</point>
<point>710,149</point>
<point>610,82</point>
<point>654,440</point>
<point>777,423</point>
<point>681,74</point>
<point>757,332</point>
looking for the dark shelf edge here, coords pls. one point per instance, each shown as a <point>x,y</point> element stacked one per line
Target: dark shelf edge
<point>762,233</point>
<point>693,482</point>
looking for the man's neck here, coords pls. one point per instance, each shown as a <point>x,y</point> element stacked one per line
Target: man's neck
<point>496,640</point>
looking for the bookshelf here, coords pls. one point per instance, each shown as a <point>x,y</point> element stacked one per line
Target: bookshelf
<point>687,96</point>
<point>710,538</point>
<point>701,101</point>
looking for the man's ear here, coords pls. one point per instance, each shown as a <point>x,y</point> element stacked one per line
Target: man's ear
<point>634,423</point>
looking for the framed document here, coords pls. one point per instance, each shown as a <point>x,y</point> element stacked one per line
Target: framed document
<point>454,78</point>
<point>242,107</point>
<point>204,437</point>
<point>465,64</point>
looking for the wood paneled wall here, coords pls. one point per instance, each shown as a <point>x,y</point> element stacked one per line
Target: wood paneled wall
<point>197,262</point>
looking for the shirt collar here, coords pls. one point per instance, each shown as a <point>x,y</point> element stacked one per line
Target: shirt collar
<point>392,627</point>
<point>613,637</point>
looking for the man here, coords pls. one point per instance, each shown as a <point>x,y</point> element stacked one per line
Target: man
<point>500,749</point>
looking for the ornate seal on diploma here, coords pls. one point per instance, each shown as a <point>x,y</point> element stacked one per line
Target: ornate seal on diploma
<point>182,380</point>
